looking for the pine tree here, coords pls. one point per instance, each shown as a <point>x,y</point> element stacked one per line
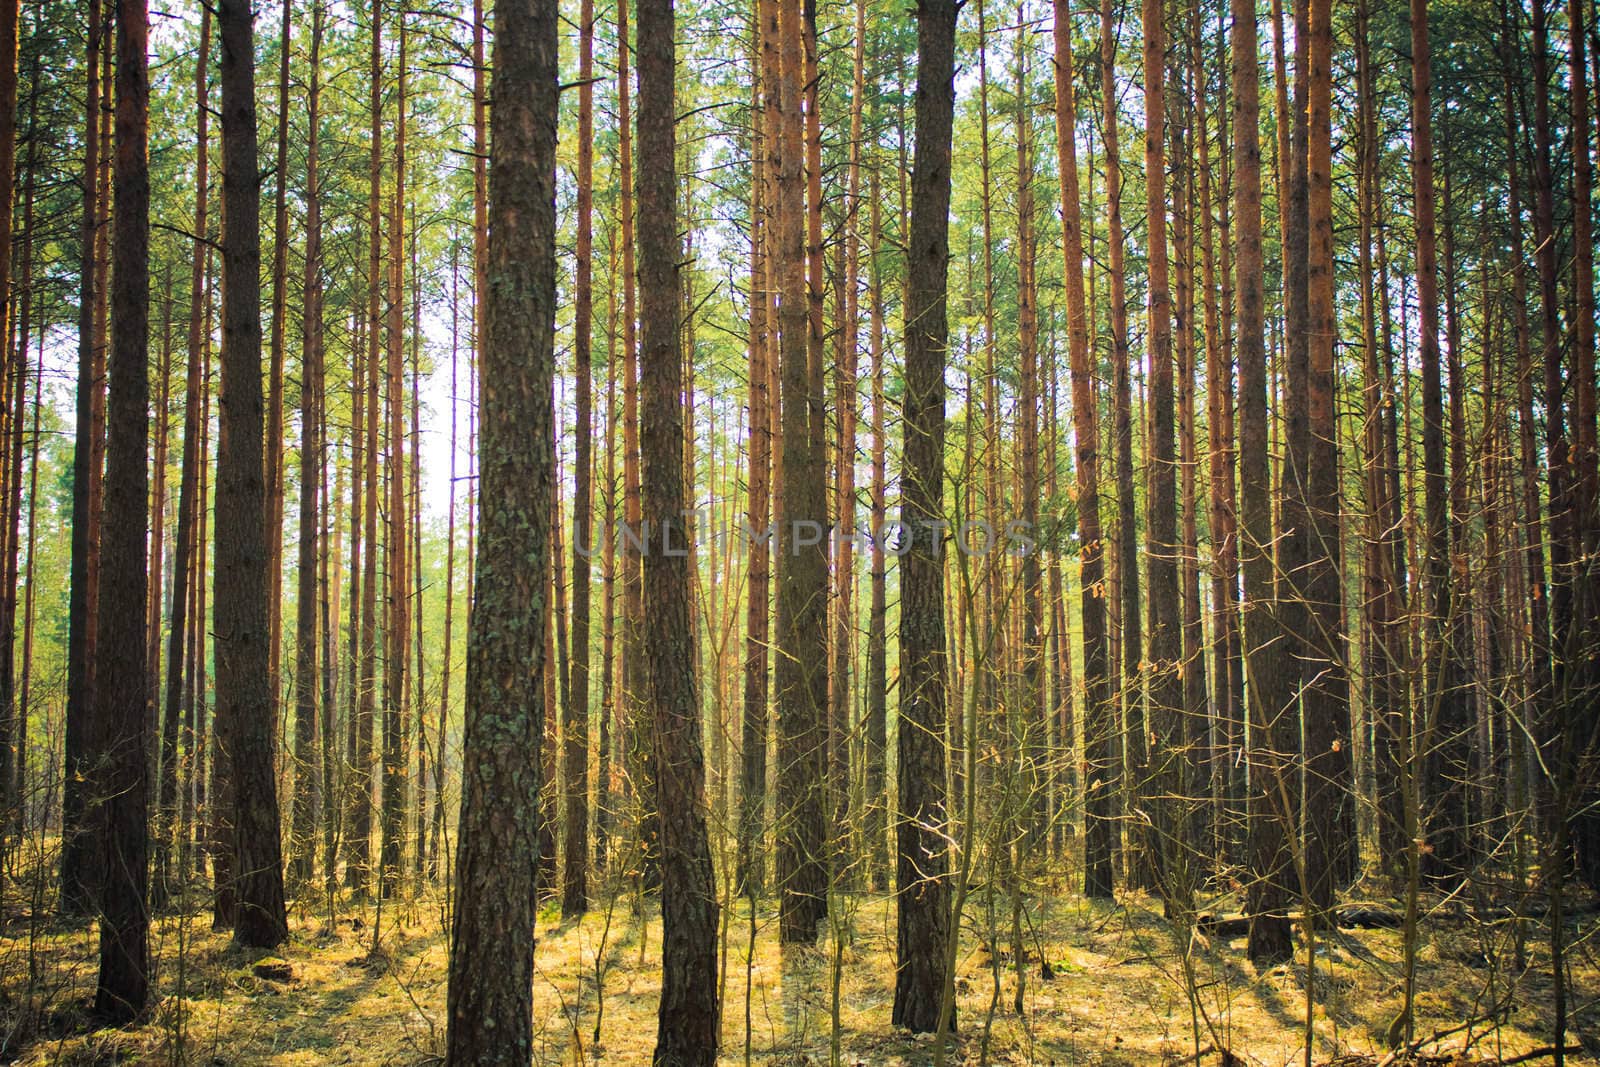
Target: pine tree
<point>922,883</point>
<point>245,727</point>
<point>490,1017</point>
<point>121,755</point>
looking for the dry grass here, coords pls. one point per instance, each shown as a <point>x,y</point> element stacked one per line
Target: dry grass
<point>1118,995</point>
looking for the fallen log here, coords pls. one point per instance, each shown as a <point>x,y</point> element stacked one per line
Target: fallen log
<point>1348,916</point>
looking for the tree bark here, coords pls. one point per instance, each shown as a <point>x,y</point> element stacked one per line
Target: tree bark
<point>78,861</point>
<point>1165,691</point>
<point>120,779</point>
<point>1442,700</point>
<point>1329,796</point>
<point>244,697</point>
<point>307,789</point>
<point>876,742</point>
<point>1265,678</point>
<point>491,960</point>
<point>575,714</point>
<point>801,666</point>
<point>750,864</point>
<point>923,931</point>
<point>277,339</point>
<point>688,1014</point>
<point>396,556</point>
<point>1098,727</point>
<point>1128,684</point>
<point>1035,727</point>
<point>634,675</point>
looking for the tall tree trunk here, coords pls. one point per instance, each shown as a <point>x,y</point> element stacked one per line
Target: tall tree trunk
<point>766,117</point>
<point>358,873</point>
<point>1128,684</point>
<point>120,779</point>
<point>801,669</point>
<point>436,859</point>
<point>688,1015</point>
<point>10,732</point>
<point>1265,666</point>
<point>398,629</point>
<point>307,789</point>
<point>162,417</point>
<point>13,773</point>
<point>634,675</point>
<point>1329,794</point>
<point>1165,692</point>
<point>1194,730</point>
<point>1536,683</point>
<point>20,775</point>
<point>1585,804</point>
<point>196,733</point>
<point>1098,725</point>
<point>353,845</point>
<point>575,714</point>
<point>490,1017</point>
<point>1035,730</point>
<point>1385,657</point>
<point>604,804</point>
<point>244,698</point>
<point>277,339</point>
<point>328,613</point>
<point>846,370</point>
<point>416,722</point>
<point>78,860</point>
<point>923,934</point>
<point>876,741</point>
<point>1444,699</point>
<point>1227,669</point>
<point>992,642</point>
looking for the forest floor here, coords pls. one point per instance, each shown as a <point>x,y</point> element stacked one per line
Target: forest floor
<point>1117,994</point>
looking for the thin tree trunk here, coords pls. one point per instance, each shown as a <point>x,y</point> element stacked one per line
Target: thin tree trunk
<point>1129,686</point>
<point>1585,819</point>
<point>1327,733</point>
<point>358,873</point>
<point>1165,693</point>
<point>634,676</point>
<point>877,696</point>
<point>197,797</point>
<point>11,734</point>
<point>276,342</point>
<point>78,860</point>
<point>801,674</point>
<point>1035,734</point>
<point>1098,725</point>
<point>353,849</point>
<point>1194,731</point>
<point>20,775</point>
<point>767,118</point>
<point>1443,698</point>
<point>1385,660</point>
<point>575,717</point>
<point>847,357</point>
<point>312,462</point>
<point>1227,679</point>
<point>604,803</point>
<point>398,624</point>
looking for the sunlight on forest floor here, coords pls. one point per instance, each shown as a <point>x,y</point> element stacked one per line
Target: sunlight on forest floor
<point>1117,996</point>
